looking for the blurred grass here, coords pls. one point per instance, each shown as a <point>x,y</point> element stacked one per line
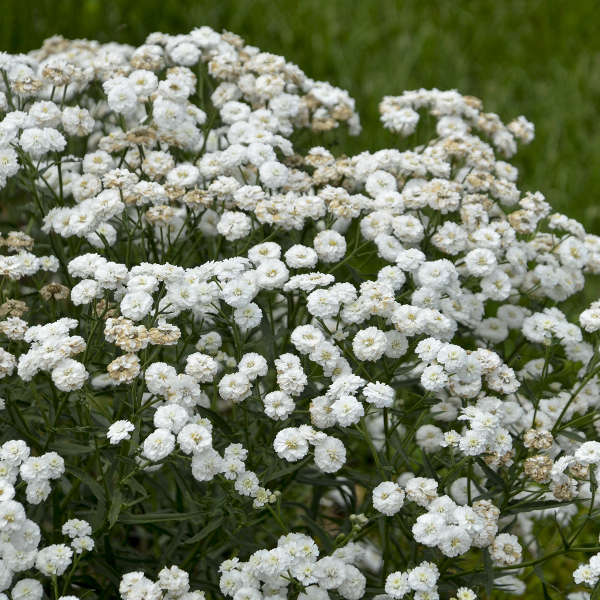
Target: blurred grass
<point>539,58</point>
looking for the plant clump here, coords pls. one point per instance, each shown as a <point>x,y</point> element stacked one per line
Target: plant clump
<point>254,367</point>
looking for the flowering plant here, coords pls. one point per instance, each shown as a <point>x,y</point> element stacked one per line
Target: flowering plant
<point>234,364</point>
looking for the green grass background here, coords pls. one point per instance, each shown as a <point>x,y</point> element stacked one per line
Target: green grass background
<point>540,58</point>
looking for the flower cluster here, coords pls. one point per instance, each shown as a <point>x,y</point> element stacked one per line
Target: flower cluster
<point>173,582</point>
<point>35,471</point>
<point>20,536</point>
<point>294,562</point>
<point>51,350</point>
<point>588,573</point>
<point>333,376</point>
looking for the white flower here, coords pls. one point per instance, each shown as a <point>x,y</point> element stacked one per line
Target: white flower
<point>174,580</point>
<point>453,357</point>
<point>76,528</point>
<point>588,453</point>
<point>330,246</point>
<point>369,344</point>
<point>194,438</point>
<point>53,560</point>
<point>264,251</point>
<point>388,498</point>
<point>428,528</point>
<point>206,464</point>
<point>159,377</point>
<point>119,431</point>
<point>158,445</point>
<point>323,303</point>
<point>429,437</point>
<point>379,394</point>
<point>121,97</point>
<point>586,575</point>
<point>247,317</point>
<point>171,416</point>
<point>27,589</point>
<point>7,491</point>
<point>247,483</point>
<point>434,378</point>
<point>273,174</point>
<point>271,274</point>
<point>480,262</point>
<point>330,454</point>
<point>347,410</point>
<point>423,578</point>
<point>301,257</point>
<point>201,367</point>
<point>83,544</point>
<point>235,387</point>
<point>39,141</point>
<point>396,585</point>
<point>454,541</point>
<point>69,375</point>
<point>404,122</point>
<point>306,338</point>
<point>278,405</point>
<point>240,291</point>
<point>330,572</point>
<point>590,319</point>
<point>9,164</point>
<point>136,305</point>
<point>234,225</point>
<point>253,365</point>
<point>353,587</point>
<point>506,550</point>
<point>421,490</point>
<point>290,445</point>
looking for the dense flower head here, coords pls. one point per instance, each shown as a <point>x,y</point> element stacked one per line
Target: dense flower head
<point>208,301</point>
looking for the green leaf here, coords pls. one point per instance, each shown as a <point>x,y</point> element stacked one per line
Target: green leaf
<point>115,507</point>
<point>97,491</point>
<point>214,417</point>
<point>489,573</point>
<point>319,533</point>
<point>283,471</point>
<point>136,486</point>
<point>89,481</point>
<point>158,517</point>
<point>573,436</point>
<point>539,505</point>
<point>71,448</point>
<point>490,473</point>
<point>212,526</point>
